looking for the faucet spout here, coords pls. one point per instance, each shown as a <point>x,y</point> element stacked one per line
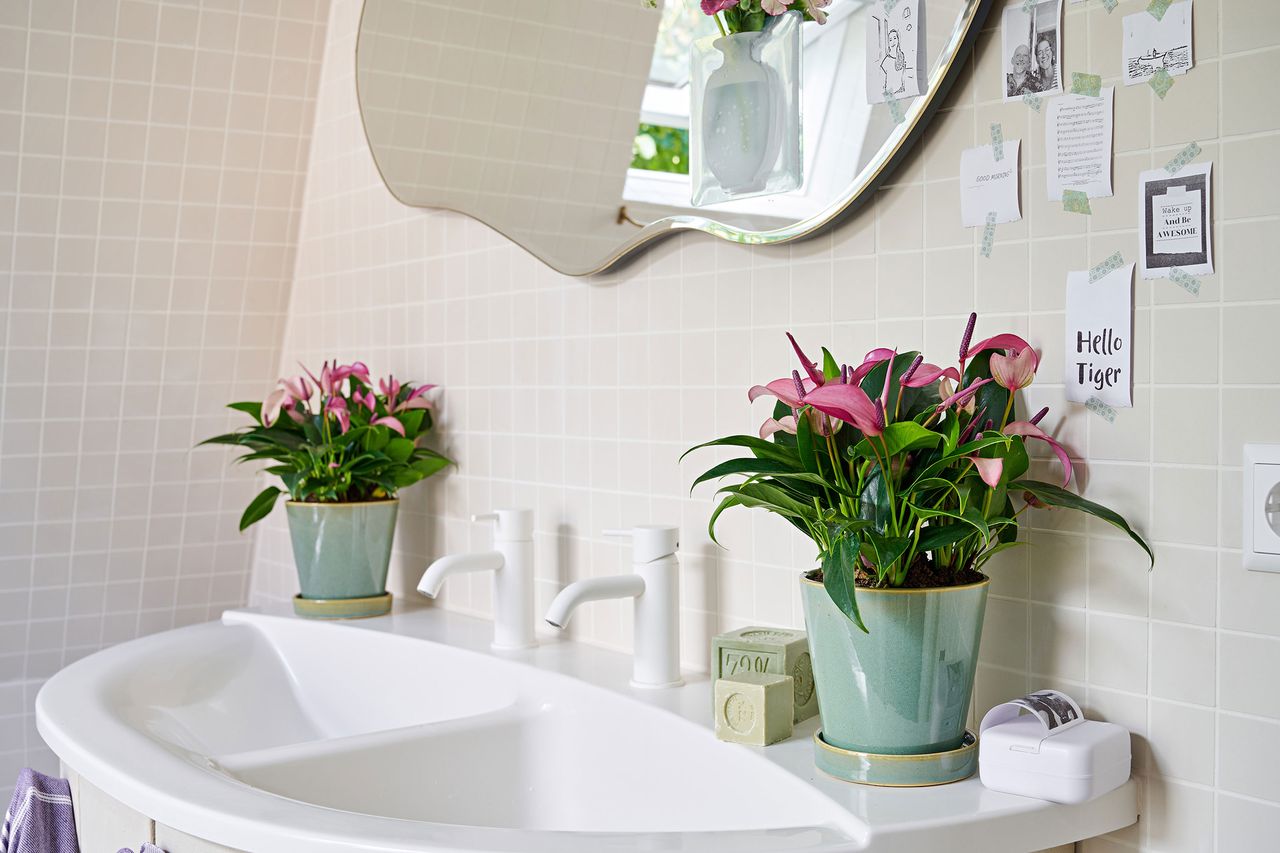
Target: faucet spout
<point>592,589</point>
<point>433,578</point>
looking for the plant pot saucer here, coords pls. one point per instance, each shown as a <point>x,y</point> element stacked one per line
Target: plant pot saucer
<point>342,608</point>
<point>897,771</point>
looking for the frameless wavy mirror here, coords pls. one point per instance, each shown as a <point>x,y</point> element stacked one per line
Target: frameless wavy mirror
<point>572,126</point>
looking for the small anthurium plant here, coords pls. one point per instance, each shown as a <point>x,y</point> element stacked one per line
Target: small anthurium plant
<point>750,16</point>
<point>902,473</point>
<point>334,439</point>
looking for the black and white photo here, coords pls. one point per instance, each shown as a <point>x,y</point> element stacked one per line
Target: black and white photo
<point>1032,49</point>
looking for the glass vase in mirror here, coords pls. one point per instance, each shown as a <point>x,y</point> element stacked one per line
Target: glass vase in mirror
<point>746,129</point>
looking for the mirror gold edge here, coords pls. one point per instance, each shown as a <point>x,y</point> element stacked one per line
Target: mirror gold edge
<point>892,153</point>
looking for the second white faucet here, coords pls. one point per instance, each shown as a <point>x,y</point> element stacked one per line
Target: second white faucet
<point>655,586</point>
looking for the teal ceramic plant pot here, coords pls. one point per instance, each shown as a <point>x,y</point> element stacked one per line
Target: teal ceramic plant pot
<point>342,550</point>
<point>903,688</point>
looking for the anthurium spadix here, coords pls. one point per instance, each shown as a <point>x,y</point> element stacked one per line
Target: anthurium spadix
<point>919,480</point>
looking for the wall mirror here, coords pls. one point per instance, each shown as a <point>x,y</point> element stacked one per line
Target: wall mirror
<point>573,126</point>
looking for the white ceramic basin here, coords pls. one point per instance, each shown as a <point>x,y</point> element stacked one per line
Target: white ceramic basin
<point>414,744</point>
<point>272,734</point>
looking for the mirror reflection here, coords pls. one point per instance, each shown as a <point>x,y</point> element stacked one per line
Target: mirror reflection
<point>582,128</point>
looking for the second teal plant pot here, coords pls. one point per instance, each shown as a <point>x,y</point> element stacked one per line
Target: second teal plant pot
<point>903,688</point>
<point>342,550</point>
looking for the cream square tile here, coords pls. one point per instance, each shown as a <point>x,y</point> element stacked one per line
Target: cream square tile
<point>1184,509</point>
<point>1243,160</point>
<point>1183,663</point>
<point>1184,588</point>
<point>1186,429</point>
<point>1179,818</point>
<point>1247,750</point>
<point>1246,824</point>
<point>1184,347</point>
<point>1058,642</point>
<point>1249,674</point>
<point>1118,652</point>
<point>1177,121</point>
<point>1182,742</point>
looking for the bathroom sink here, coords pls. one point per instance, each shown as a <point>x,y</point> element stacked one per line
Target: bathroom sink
<point>411,744</point>
<point>268,733</point>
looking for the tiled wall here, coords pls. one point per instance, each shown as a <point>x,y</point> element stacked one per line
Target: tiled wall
<point>576,397</point>
<point>151,167</point>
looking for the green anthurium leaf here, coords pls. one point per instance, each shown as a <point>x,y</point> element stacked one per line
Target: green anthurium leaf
<point>873,504</point>
<point>758,446</point>
<point>970,516</point>
<point>399,449</point>
<point>937,536</point>
<point>804,445</point>
<point>930,484</point>
<point>830,367</point>
<point>882,551</point>
<point>839,566</point>
<point>260,507</point>
<point>900,438</point>
<point>428,465</point>
<point>991,552</point>
<point>411,420</point>
<point>772,498</point>
<point>729,501</point>
<point>226,438</point>
<point>951,432</point>
<point>253,410</point>
<point>1016,462</point>
<point>377,439</point>
<point>1060,497</point>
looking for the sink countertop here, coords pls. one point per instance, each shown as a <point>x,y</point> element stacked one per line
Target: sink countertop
<point>181,788</point>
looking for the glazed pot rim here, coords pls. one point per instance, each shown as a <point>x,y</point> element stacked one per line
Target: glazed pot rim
<point>342,503</point>
<point>804,578</point>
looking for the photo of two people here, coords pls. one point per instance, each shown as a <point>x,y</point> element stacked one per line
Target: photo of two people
<point>1032,48</point>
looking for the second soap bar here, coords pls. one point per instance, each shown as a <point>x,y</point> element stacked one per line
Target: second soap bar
<point>782,651</point>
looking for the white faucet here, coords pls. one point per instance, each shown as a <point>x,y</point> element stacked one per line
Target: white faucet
<point>655,586</point>
<point>511,562</point>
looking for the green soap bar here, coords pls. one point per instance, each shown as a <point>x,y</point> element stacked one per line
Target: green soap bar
<point>754,708</point>
<point>782,651</point>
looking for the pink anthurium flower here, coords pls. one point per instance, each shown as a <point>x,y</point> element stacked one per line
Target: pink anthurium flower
<point>271,406</point>
<point>963,395</point>
<point>1003,342</point>
<point>1016,371</point>
<point>367,399</point>
<point>356,369</point>
<point>772,425</point>
<point>416,400</point>
<point>337,407</point>
<point>1030,430</point>
<point>714,7</point>
<point>810,367</point>
<point>990,470</point>
<point>391,423</point>
<point>927,374</point>
<point>390,387</point>
<point>850,404</point>
<point>774,7</point>
<point>784,389</point>
<point>299,390</point>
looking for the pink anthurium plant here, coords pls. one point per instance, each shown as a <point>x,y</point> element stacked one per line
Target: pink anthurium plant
<point>749,16</point>
<point>902,473</point>
<point>333,438</point>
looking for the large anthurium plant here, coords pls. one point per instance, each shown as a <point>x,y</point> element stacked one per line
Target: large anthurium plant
<point>902,473</point>
<point>333,438</point>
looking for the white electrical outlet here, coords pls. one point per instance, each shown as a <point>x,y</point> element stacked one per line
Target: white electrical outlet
<point>1260,543</point>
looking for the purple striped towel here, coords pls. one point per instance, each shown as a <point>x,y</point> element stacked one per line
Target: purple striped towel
<point>40,817</point>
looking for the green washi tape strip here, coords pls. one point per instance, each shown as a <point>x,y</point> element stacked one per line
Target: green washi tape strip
<point>1161,82</point>
<point>997,141</point>
<point>1157,8</point>
<point>1110,5</point>
<point>895,108</point>
<point>1185,156</point>
<point>1086,84</point>
<point>1185,280</point>
<point>1075,201</point>
<point>889,4</point>
<point>1101,270</point>
<point>1101,409</point>
<point>1032,100</point>
<point>989,234</point>
<point>1028,5</point>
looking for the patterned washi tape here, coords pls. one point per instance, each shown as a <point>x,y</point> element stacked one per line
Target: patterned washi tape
<point>1028,5</point>
<point>895,108</point>
<point>1110,5</point>
<point>888,5</point>
<point>1185,156</point>
<point>1086,84</point>
<point>1075,201</point>
<point>1112,263</point>
<point>1185,280</point>
<point>1157,8</point>
<point>1032,100</point>
<point>1161,82</point>
<point>997,141</point>
<point>1101,409</point>
<point>989,234</point>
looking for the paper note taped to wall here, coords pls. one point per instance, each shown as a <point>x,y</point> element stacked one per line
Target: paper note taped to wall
<point>1077,144</point>
<point>1152,45</point>
<point>988,184</point>
<point>1099,362</point>
<point>1176,217</point>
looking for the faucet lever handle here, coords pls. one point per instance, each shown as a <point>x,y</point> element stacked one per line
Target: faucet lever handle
<point>649,542</point>
<point>510,525</point>
<point>619,533</point>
